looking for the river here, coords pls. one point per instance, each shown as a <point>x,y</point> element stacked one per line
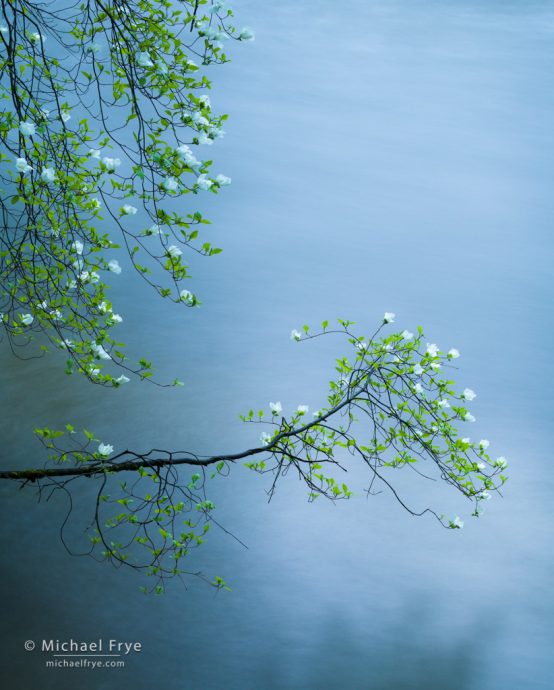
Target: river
<point>386,156</point>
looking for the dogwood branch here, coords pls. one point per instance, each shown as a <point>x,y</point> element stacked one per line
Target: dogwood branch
<point>103,110</point>
<point>390,408</point>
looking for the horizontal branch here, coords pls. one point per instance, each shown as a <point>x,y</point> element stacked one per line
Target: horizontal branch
<point>127,466</point>
<point>143,461</point>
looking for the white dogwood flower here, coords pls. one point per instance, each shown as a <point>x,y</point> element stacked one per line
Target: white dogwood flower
<point>170,184</point>
<point>27,128</point>
<point>295,335</point>
<point>389,317</point>
<point>223,180</point>
<point>37,38</point>
<point>216,133</point>
<point>99,351</point>
<point>174,252</point>
<point>144,60</point>
<point>153,230</point>
<point>111,163</point>
<point>188,156</point>
<point>105,449</point>
<point>203,182</point>
<point>203,138</point>
<point>246,34</point>
<point>468,394</point>
<point>187,297</point>
<point>501,462</point>
<point>27,319</point>
<point>275,407</point>
<point>265,438</point>
<point>114,266</point>
<point>432,349</point>
<point>48,175</point>
<point>22,166</point>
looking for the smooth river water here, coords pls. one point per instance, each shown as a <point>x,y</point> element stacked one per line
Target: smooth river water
<point>386,156</point>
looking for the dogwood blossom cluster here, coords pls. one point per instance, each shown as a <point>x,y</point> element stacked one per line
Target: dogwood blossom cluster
<point>391,407</point>
<point>74,191</point>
